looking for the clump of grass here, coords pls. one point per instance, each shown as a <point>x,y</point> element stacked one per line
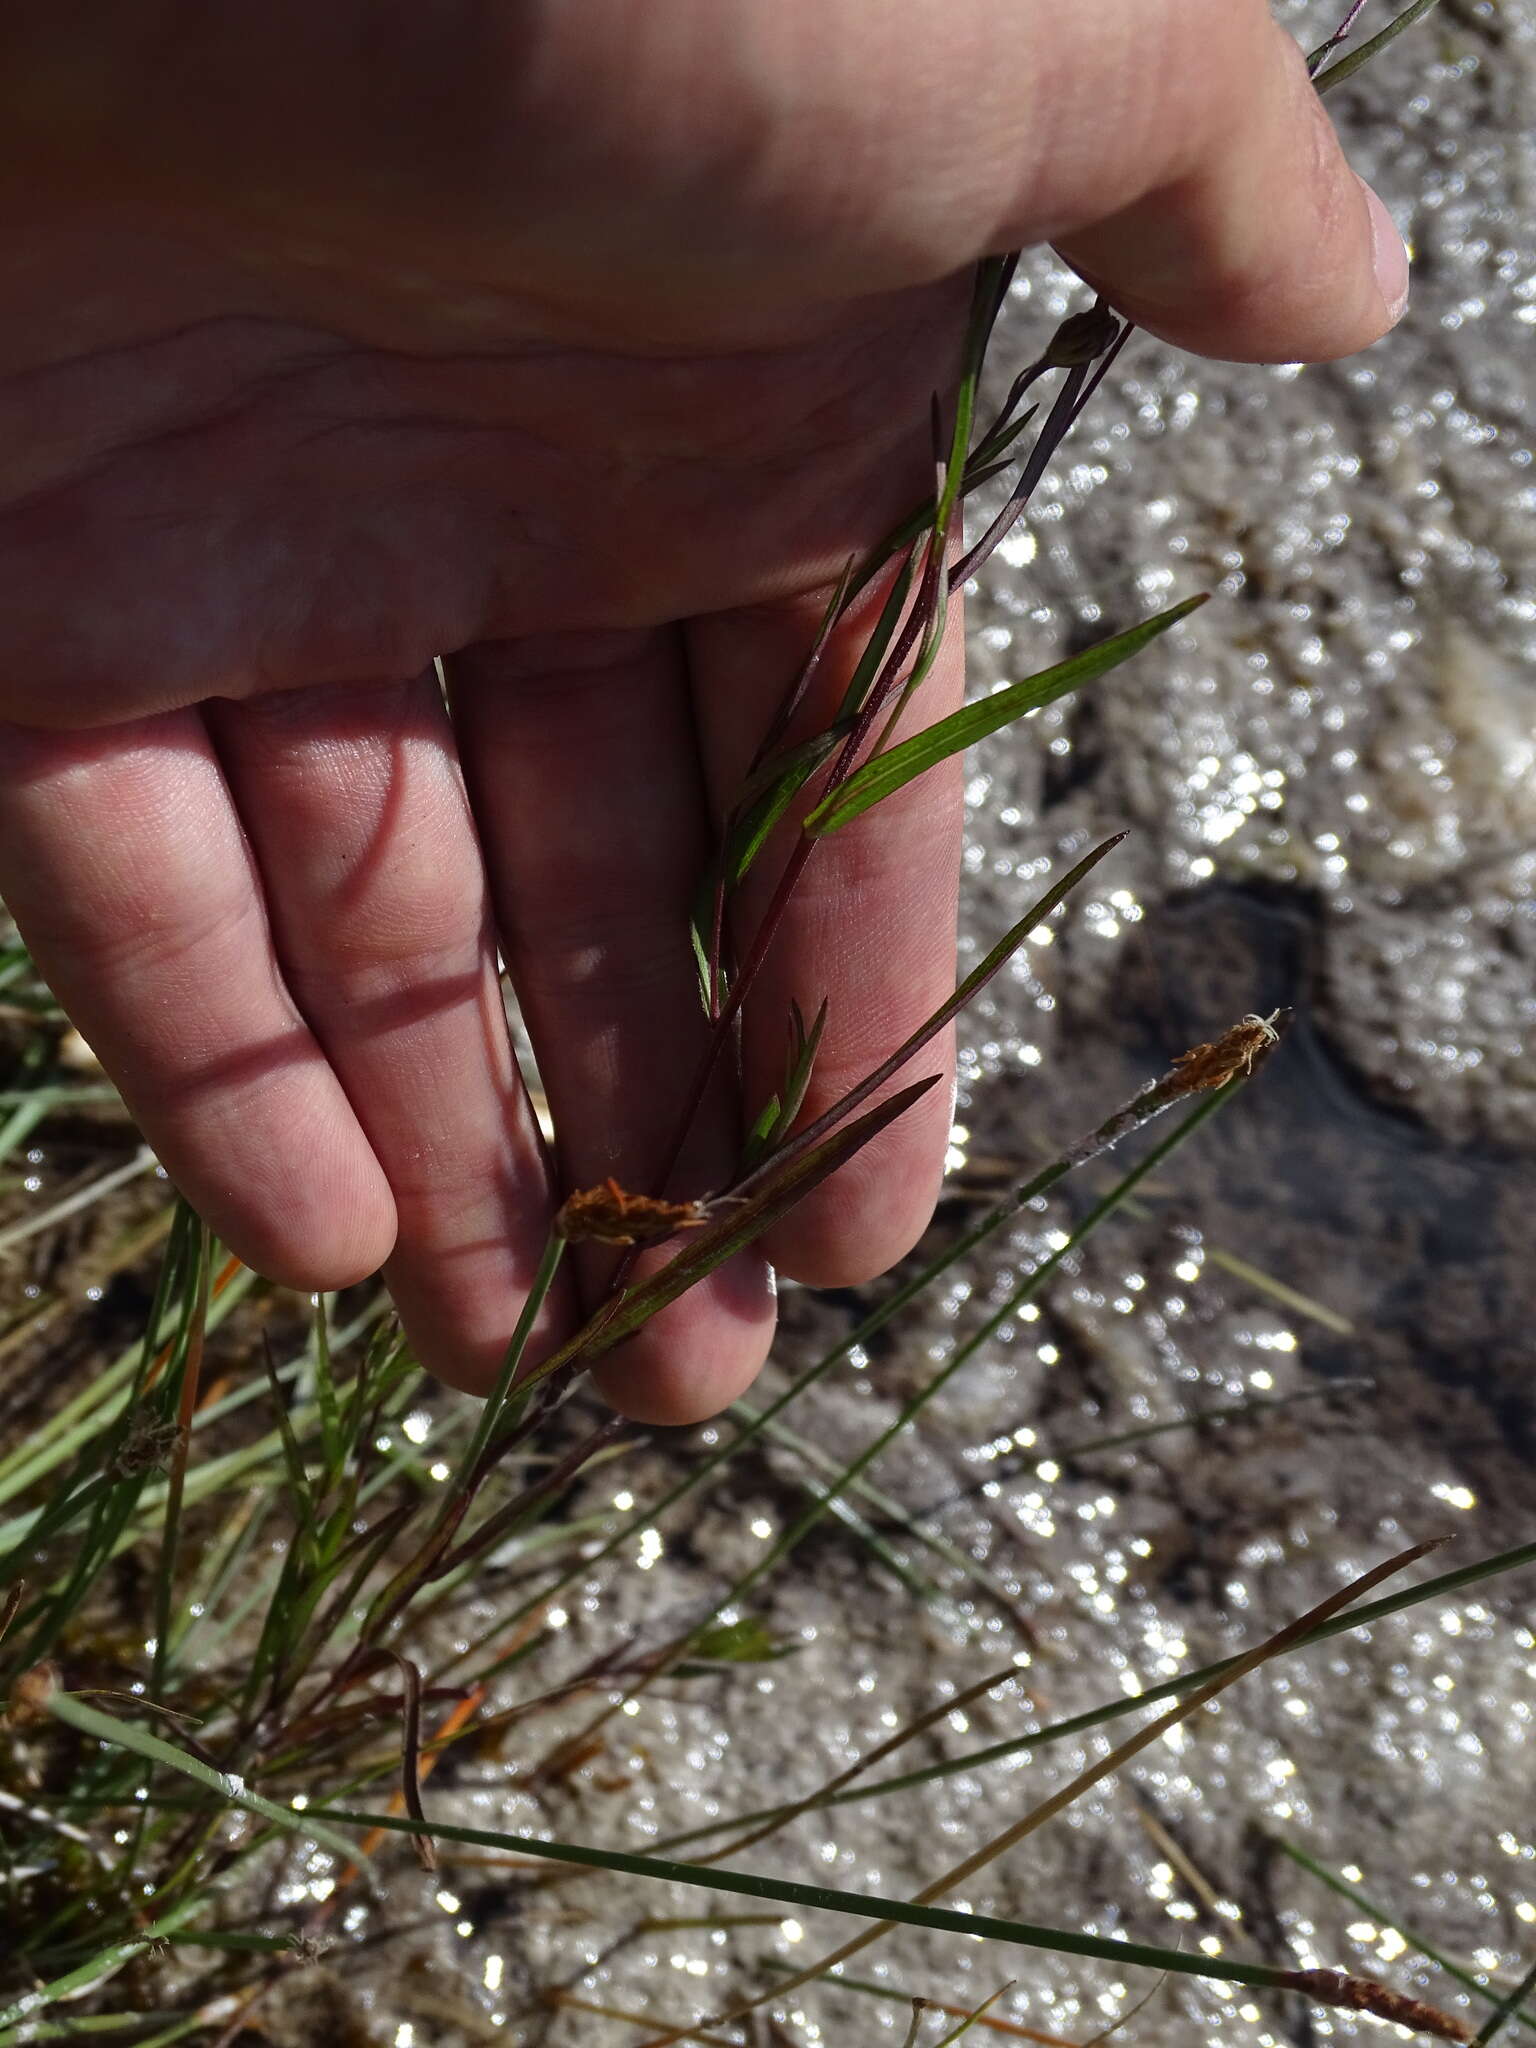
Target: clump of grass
<point>303,1567</point>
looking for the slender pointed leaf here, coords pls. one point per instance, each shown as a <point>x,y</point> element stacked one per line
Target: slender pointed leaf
<point>227,1785</point>
<point>1168,1688</point>
<point>1478,1986</point>
<point>1346,67</point>
<point>951,1007</point>
<point>102,1965</point>
<point>747,1220</point>
<point>858,1905</point>
<point>774,789</point>
<point>971,2018</point>
<point>780,1111</point>
<point>332,1439</point>
<point>1508,2008</point>
<point>879,640</point>
<point>783,718</point>
<point>300,1493</point>
<point>797,1080</point>
<point>887,773</point>
<point>760,1137</point>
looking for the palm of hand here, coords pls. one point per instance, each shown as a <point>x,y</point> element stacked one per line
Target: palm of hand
<point>268,871</point>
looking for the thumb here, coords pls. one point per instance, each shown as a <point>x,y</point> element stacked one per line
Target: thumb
<point>1241,230</point>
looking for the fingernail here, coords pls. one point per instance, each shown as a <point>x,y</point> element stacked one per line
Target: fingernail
<point>1389,255</point>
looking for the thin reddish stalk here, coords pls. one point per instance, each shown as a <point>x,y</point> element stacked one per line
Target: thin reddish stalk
<point>795,695</point>
<point>1057,421</point>
<point>970,987</point>
<point>1077,387</point>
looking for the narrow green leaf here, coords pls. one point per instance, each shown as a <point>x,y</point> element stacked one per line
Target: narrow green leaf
<point>1507,2009</point>
<point>125,1735</point>
<point>1169,1688</point>
<point>105,1963</point>
<point>238,1944</point>
<point>332,1437</point>
<point>887,773</point>
<point>1478,1986</point>
<point>837,604</point>
<point>747,1220</point>
<point>698,939</point>
<point>803,1060</point>
<point>770,795</point>
<point>469,1471</point>
<point>85,2026</point>
<point>781,1110</point>
<point>990,457</point>
<point>951,484</point>
<point>299,1490</point>
<point>759,1139</point>
<point>859,1905</point>
<point>186,1388</point>
<point>1106,1766</point>
<point>980,2012</point>
<point>827,1501</point>
<point>363,1559</point>
<point>879,640</point>
<point>1348,66</point>
<point>951,1007</point>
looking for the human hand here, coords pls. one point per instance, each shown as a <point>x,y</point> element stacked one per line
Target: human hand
<point>578,346</point>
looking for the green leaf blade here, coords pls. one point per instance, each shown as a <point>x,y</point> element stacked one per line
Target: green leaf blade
<point>891,771</point>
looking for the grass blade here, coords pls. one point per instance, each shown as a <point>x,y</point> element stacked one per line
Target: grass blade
<point>1478,1986</point>
<point>825,1500</point>
<point>888,1992</point>
<point>1096,1717</point>
<point>1348,66</point>
<point>1106,1766</point>
<point>781,1110</point>
<point>974,2017</point>
<point>762,808</point>
<point>888,772</point>
<point>226,1785</point>
<point>485,1428</point>
<point>1506,2009</point>
<point>824,1898</point>
<point>947,1011</point>
<point>105,1963</point>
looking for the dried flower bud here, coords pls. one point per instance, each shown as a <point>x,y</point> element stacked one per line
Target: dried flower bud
<point>1212,1066</point>
<point>308,1948</point>
<point>607,1215</point>
<point>149,1446</point>
<point>1363,1994</point>
<point>1082,337</point>
<point>30,1695</point>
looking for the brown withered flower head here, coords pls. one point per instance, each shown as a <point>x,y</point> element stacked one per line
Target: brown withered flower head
<point>608,1215</point>
<point>1212,1066</point>
<point>1364,1994</point>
